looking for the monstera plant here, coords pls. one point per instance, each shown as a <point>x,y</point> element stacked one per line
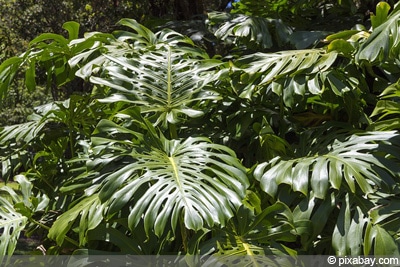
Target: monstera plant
<point>173,152</point>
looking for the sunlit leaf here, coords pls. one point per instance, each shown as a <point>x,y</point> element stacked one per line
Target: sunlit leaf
<point>352,160</point>
<point>384,42</point>
<point>382,10</point>
<point>12,222</point>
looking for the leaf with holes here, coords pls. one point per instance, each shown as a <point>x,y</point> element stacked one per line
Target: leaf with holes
<point>12,222</point>
<point>384,42</point>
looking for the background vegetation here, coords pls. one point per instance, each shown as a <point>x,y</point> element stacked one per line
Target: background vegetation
<point>255,127</point>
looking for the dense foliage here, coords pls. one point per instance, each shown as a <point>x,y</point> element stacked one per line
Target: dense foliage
<point>254,136</point>
<point>23,20</point>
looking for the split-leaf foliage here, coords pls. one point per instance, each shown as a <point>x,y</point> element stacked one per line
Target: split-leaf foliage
<point>277,152</point>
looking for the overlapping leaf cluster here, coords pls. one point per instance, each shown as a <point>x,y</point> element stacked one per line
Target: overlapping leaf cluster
<point>248,153</point>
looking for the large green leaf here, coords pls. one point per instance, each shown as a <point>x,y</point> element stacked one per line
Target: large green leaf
<point>380,240</point>
<point>311,217</point>
<point>253,235</point>
<point>355,160</point>
<point>89,51</point>
<point>15,208</point>
<point>90,211</point>
<point>193,178</point>
<point>13,157</point>
<point>107,233</point>
<point>48,51</point>
<point>384,43</point>
<point>164,82</point>
<point>251,30</point>
<point>387,109</point>
<point>164,73</point>
<point>11,225</point>
<point>20,132</point>
<point>274,65</point>
<point>381,235</point>
<point>290,74</point>
<point>347,237</point>
<point>8,70</point>
<point>161,182</point>
<point>51,127</point>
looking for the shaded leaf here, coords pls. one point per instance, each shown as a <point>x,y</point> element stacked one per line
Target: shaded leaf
<point>379,241</point>
<point>89,209</point>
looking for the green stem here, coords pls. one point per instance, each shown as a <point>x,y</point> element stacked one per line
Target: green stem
<point>172,131</point>
<point>184,234</point>
<point>46,181</point>
<point>73,242</point>
<point>282,131</point>
<point>71,142</point>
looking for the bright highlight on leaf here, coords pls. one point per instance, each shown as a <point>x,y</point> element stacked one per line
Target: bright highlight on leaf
<point>351,163</point>
<point>193,178</point>
<point>249,138</point>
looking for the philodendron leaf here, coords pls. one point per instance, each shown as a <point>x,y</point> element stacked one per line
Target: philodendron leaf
<point>384,42</point>
<point>192,179</point>
<point>156,182</point>
<point>11,222</point>
<point>166,82</point>
<point>89,209</point>
<point>378,240</point>
<point>203,181</point>
<point>73,29</point>
<point>274,65</point>
<point>382,11</point>
<point>387,109</point>
<point>341,46</point>
<point>339,236</point>
<point>16,210</point>
<point>293,73</point>
<point>246,29</point>
<point>163,73</point>
<point>126,244</point>
<point>384,226</point>
<point>355,161</point>
<point>347,238</point>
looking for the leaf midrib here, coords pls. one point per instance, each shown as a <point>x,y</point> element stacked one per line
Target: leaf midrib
<point>169,79</point>
<point>176,178</point>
